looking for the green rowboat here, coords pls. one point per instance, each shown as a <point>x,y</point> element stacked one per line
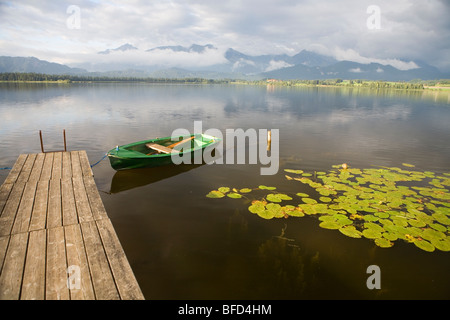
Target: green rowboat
<point>157,152</point>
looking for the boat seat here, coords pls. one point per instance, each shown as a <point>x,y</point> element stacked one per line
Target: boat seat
<point>181,142</point>
<point>160,148</point>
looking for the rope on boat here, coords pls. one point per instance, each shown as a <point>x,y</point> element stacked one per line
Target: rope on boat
<point>93,165</point>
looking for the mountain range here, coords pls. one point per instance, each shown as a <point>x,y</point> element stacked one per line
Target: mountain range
<point>305,65</point>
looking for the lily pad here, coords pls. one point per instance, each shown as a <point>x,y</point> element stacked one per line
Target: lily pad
<point>294,171</point>
<point>443,245</point>
<point>408,165</point>
<point>330,225</point>
<point>424,245</point>
<point>350,231</point>
<point>383,243</point>
<point>303,195</point>
<point>234,195</point>
<point>224,189</point>
<point>257,207</point>
<point>215,194</point>
<point>371,234</point>
<point>245,190</point>
<point>266,214</point>
<point>309,201</point>
<point>262,187</point>
<point>325,199</point>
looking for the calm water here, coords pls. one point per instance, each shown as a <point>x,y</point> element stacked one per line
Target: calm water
<point>183,245</point>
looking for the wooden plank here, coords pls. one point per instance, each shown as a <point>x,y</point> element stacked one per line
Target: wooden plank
<point>17,168</point>
<point>85,166</point>
<point>54,217</point>
<point>81,200</point>
<point>26,169</point>
<point>95,201</point>
<point>121,269</point>
<point>5,191</point>
<point>76,165</point>
<point>69,210</point>
<point>103,281</point>
<point>39,214</point>
<point>180,142</point>
<point>80,283</point>
<point>46,173</point>
<point>3,246</point>
<point>23,216</point>
<point>37,168</point>
<point>12,271</point>
<point>33,286</point>
<point>56,273</point>
<point>160,148</point>
<point>57,166</point>
<point>9,211</point>
<point>66,165</point>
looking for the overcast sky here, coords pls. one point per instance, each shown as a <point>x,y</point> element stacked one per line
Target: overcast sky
<point>359,30</point>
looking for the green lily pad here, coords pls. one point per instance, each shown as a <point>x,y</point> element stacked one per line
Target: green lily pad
<point>443,245</point>
<point>224,189</point>
<point>275,210</point>
<point>257,207</point>
<point>424,245</point>
<point>262,187</point>
<point>438,227</point>
<point>245,190</point>
<point>383,243</point>
<point>215,194</point>
<point>325,199</point>
<point>371,234</point>
<point>390,236</point>
<point>234,195</point>
<point>441,218</point>
<point>350,231</point>
<point>309,201</point>
<point>266,214</point>
<point>303,195</point>
<point>297,212</point>
<point>294,171</point>
<point>431,234</point>
<point>330,225</point>
<point>273,198</point>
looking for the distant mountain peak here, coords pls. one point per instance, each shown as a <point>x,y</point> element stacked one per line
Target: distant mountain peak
<point>124,47</point>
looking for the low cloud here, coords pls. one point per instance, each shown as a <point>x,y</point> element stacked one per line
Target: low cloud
<point>275,65</point>
<point>352,55</point>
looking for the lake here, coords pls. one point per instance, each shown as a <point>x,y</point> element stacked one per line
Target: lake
<point>183,245</point>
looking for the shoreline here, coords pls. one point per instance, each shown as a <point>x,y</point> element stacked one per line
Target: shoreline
<point>357,84</point>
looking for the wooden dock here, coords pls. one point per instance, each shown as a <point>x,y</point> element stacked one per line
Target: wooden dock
<point>56,240</point>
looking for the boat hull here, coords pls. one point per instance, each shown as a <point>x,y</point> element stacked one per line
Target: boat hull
<point>134,155</point>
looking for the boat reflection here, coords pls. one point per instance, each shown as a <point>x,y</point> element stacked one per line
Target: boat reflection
<point>129,179</point>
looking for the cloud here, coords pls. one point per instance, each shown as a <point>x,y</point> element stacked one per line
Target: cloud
<point>355,70</point>
<point>409,30</point>
<point>275,65</point>
<point>352,55</point>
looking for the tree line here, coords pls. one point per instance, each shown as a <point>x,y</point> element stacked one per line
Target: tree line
<point>416,84</point>
<point>40,77</point>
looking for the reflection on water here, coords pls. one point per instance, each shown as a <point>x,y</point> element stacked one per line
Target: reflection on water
<point>128,179</point>
<point>182,245</point>
<point>287,271</point>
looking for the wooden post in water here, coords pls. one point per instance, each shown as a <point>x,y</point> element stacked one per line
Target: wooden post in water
<point>42,144</point>
<point>64,134</point>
